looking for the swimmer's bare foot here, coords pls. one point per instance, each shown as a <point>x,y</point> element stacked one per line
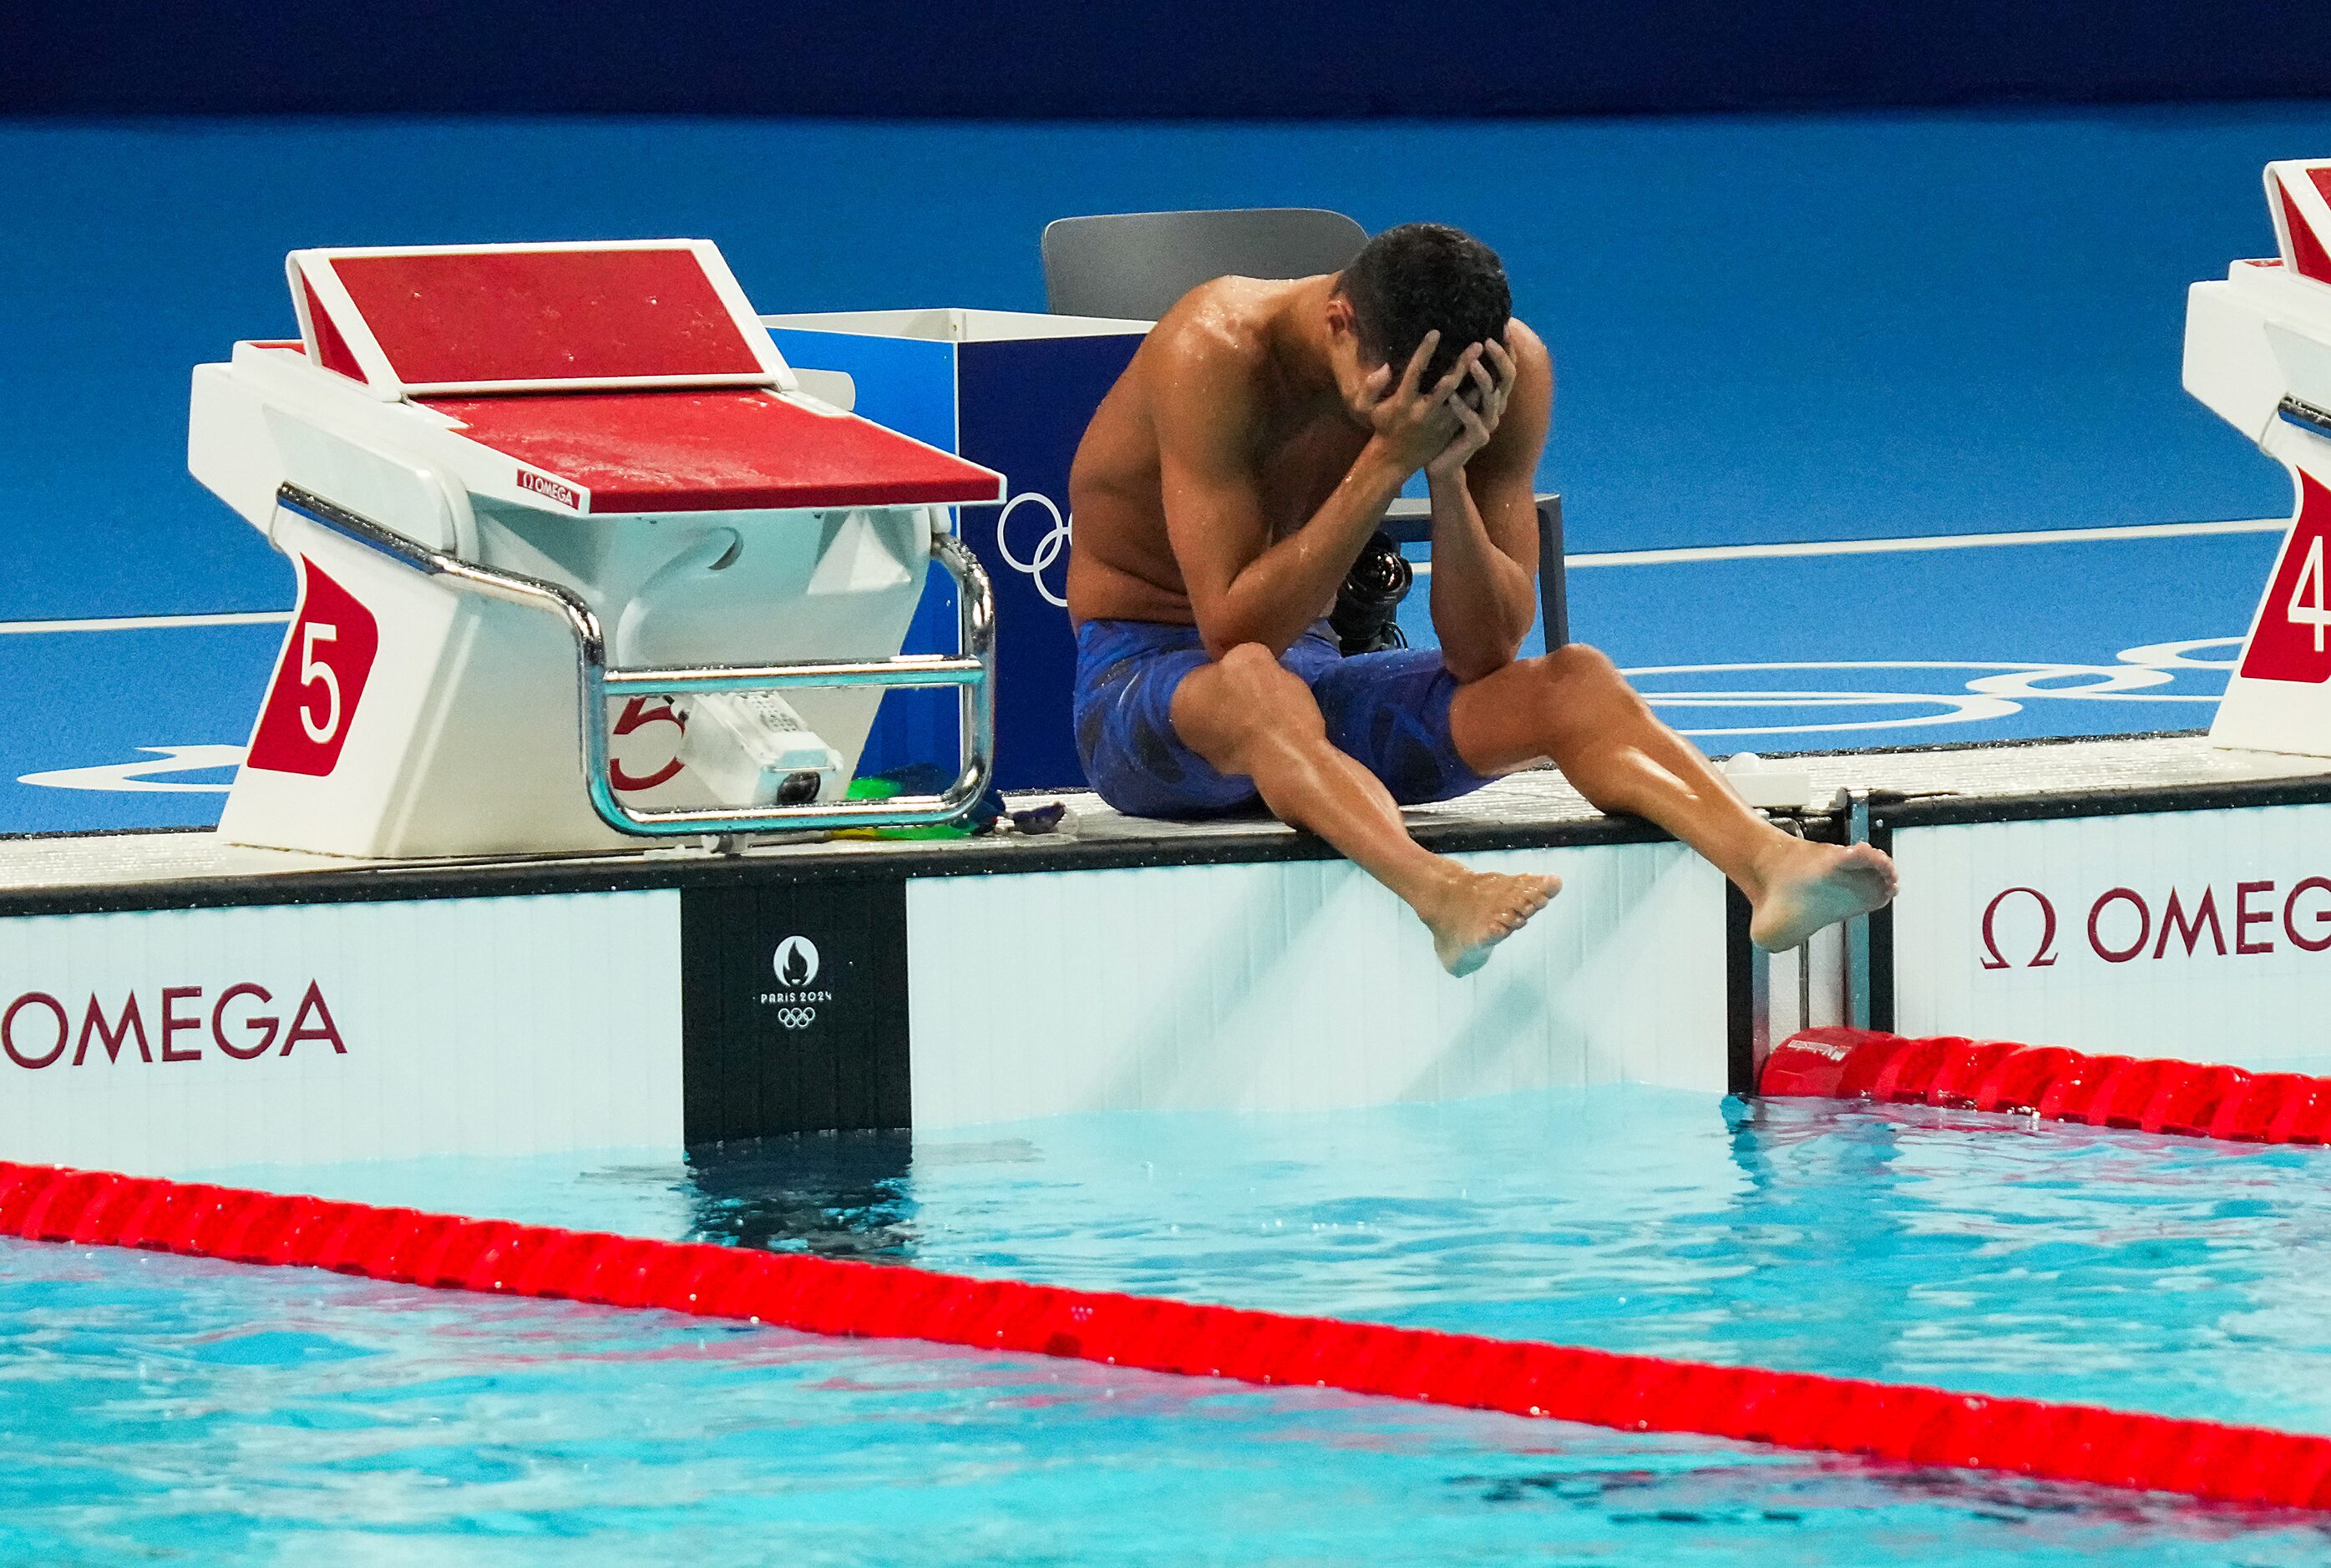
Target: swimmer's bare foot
<point>1479,909</point>
<point>1803,886</point>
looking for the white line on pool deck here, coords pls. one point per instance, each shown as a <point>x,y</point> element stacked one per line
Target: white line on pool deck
<point>1677,556</point>
<point>1688,553</point>
<point>149,622</point>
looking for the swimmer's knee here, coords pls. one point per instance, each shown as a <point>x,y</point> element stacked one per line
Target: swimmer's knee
<point>1248,661</point>
<point>1579,663</point>
<point>1579,684</point>
<point>1249,693</point>
<point>1253,676</point>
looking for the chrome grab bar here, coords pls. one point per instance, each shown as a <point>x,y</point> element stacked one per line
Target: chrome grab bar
<point>972,672</point>
<point>2306,416</point>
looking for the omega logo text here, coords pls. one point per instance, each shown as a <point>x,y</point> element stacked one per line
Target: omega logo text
<point>545,486</point>
<point>2018,926</point>
<point>39,1030</point>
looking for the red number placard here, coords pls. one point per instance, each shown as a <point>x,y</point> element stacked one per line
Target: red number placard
<point>318,681</point>
<point>2293,640</point>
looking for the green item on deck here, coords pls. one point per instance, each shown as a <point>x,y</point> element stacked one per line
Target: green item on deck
<point>884,789</point>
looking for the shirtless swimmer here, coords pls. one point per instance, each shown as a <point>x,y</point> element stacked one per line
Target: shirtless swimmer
<point>1227,484</point>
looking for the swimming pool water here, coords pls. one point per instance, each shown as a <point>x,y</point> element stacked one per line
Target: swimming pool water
<point>155,1406</point>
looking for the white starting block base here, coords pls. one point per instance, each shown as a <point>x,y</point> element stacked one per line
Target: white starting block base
<point>2258,352</point>
<point>541,498</point>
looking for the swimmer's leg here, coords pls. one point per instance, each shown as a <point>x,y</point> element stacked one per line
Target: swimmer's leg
<point>1246,714</point>
<point>1572,705</point>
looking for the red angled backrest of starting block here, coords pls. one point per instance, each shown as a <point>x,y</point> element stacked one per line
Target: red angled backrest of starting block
<point>624,376</point>
<point>473,318</point>
<point>2298,192</point>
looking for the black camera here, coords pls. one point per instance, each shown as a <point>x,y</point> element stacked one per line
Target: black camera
<point>1367,617</point>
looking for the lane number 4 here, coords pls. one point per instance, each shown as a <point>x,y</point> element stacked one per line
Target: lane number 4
<point>2302,610</point>
<point>2292,640</point>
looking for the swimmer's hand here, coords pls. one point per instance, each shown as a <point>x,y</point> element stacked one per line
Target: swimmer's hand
<point>1490,385</point>
<point>1414,423</point>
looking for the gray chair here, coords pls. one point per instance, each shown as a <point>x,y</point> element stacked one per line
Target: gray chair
<point>1133,266</point>
<point>1410,522</point>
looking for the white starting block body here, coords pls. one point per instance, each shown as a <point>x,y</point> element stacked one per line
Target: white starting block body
<point>546,504</point>
<point>2258,352</point>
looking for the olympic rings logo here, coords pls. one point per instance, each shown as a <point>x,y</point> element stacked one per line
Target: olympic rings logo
<point>1050,548</point>
<point>797,1017</point>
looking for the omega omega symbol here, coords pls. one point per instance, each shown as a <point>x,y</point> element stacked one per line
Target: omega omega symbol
<point>795,964</point>
<point>2043,956</point>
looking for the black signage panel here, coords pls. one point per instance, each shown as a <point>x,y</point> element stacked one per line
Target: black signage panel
<point>794,1006</point>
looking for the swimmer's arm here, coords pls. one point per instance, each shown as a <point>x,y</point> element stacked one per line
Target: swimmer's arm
<point>1485,552</point>
<point>1242,587</point>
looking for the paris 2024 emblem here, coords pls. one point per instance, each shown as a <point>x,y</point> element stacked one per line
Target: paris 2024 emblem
<point>796,965</point>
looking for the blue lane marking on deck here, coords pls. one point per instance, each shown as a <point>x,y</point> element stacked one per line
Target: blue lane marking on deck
<point>84,699</point>
<point>2024,607</point>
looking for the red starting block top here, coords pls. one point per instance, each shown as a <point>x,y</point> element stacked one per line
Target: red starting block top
<point>628,376</point>
<point>2299,193</point>
<point>520,317</point>
<point>548,316</point>
<point>711,451</point>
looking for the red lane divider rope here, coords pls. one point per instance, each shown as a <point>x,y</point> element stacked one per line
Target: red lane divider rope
<point>2188,1099</point>
<point>1904,1422</point>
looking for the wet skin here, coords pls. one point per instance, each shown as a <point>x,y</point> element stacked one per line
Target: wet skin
<point>1228,481</point>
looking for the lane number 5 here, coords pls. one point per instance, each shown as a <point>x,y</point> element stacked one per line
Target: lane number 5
<point>314,671</point>
<point>319,680</point>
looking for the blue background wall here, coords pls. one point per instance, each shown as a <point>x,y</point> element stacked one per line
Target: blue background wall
<point>1766,328</point>
<point>1950,302</point>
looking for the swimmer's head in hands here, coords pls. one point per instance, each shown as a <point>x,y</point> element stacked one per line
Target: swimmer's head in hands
<point>1407,283</point>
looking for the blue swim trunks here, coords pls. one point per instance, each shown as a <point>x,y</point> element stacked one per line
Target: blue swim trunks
<point>1389,710</point>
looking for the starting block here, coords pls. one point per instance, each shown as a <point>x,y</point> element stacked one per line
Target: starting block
<point>580,561</point>
<point>2258,352</point>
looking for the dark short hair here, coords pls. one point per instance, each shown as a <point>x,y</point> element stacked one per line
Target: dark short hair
<point>1409,281</point>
